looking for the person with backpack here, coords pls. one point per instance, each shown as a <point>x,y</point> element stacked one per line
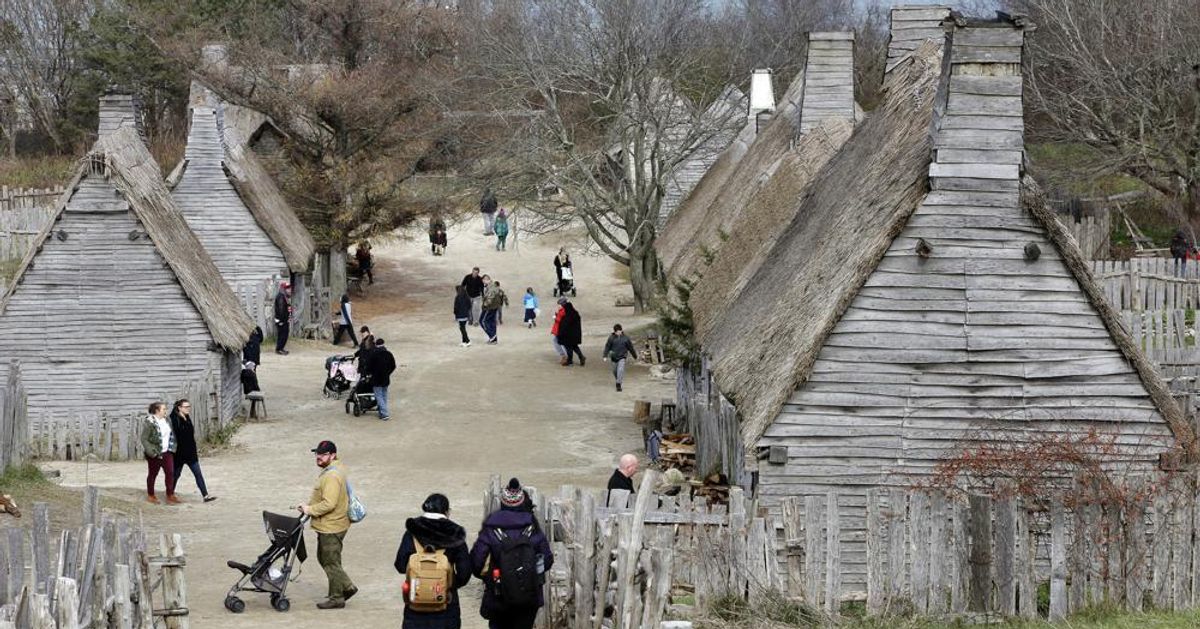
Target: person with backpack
<point>436,563</point>
<point>329,508</point>
<point>500,226</point>
<point>511,556</point>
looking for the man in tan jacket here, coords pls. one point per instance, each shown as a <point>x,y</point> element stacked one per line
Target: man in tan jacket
<point>329,508</point>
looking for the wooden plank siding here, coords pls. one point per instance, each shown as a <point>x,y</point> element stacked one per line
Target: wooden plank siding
<point>689,172</point>
<point>242,251</point>
<point>99,322</point>
<point>912,25</point>
<point>966,340</point>
<point>828,79</point>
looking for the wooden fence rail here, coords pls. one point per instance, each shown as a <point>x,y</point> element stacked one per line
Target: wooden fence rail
<point>23,214</point>
<point>101,575</point>
<point>1142,284</point>
<point>931,553</point>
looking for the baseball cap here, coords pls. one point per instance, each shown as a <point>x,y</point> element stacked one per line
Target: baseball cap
<point>325,447</point>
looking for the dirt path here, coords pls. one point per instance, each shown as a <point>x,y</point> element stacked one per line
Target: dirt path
<point>459,415</point>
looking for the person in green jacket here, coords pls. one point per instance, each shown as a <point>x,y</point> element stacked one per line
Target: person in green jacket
<point>158,445</point>
<point>501,228</point>
<point>329,508</point>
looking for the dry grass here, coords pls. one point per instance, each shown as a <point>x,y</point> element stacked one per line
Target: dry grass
<point>27,485</point>
<point>46,171</point>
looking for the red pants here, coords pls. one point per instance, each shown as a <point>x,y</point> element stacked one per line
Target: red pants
<point>166,463</point>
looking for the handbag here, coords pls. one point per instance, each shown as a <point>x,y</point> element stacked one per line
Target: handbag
<point>357,511</point>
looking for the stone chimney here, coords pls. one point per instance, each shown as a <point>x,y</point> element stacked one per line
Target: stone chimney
<point>762,94</point>
<point>828,79</point>
<point>119,110</point>
<point>912,25</point>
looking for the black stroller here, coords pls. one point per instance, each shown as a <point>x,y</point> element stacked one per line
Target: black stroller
<point>340,375</point>
<point>362,397</point>
<point>272,571</point>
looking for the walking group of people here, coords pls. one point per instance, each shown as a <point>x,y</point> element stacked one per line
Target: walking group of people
<point>169,445</point>
<point>479,300</point>
<point>511,554</point>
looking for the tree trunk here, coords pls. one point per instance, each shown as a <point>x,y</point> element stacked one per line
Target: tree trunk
<point>1191,200</point>
<point>643,275</point>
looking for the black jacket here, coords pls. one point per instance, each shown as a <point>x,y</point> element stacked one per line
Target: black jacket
<point>251,351</point>
<point>620,481</point>
<point>249,381</point>
<point>474,285</point>
<point>441,534</point>
<point>185,439</point>
<point>281,307</point>
<point>462,307</point>
<point>570,329</point>
<point>619,347</point>
<point>379,364</point>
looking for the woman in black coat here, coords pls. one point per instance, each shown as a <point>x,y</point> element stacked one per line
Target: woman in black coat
<point>185,441</point>
<point>570,333</point>
<point>462,312</point>
<point>252,351</point>
<point>434,528</point>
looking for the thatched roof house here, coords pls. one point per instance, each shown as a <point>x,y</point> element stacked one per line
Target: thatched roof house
<point>827,117</point>
<point>695,231</point>
<point>118,303</point>
<point>689,172</point>
<point>923,300</point>
<point>235,209</point>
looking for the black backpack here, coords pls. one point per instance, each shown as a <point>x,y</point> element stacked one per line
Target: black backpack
<point>519,581</point>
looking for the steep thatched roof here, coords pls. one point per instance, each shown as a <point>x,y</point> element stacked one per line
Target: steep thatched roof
<point>266,202</point>
<point>698,233</point>
<point>122,157</point>
<point>755,230</point>
<point>764,345</point>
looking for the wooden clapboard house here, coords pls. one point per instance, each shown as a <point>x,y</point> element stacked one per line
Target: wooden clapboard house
<point>117,303</point>
<point>234,207</point>
<point>924,299</point>
<point>689,172</point>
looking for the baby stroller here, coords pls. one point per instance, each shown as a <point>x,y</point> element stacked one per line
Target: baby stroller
<point>340,374</point>
<point>272,571</point>
<point>362,397</point>
<point>566,284</point>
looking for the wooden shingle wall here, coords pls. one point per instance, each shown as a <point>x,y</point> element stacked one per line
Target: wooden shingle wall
<point>960,334</point>
<point>99,322</point>
<point>240,248</point>
<point>912,25</point>
<point>689,172</point>
<point>119,110</point>
<point>828,79</point>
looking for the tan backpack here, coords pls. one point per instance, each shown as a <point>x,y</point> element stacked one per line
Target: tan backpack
<point>428,579</point>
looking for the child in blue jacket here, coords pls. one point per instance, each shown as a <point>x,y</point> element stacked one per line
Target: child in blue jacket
<point>531,307</point>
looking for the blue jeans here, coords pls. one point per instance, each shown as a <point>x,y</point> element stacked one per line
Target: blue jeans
<point>488,321</point>
<point>381,400</point>
<point>195,467</point>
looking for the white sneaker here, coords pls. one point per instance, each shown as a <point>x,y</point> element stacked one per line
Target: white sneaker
<point>467,344</point>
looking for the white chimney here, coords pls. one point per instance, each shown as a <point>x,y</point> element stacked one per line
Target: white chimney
<point>762,94</point>
<point>119,110</point>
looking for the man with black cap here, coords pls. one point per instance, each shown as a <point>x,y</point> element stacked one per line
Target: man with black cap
<point>283,317</point>
<point>379,364</point>
<point>329,508</point>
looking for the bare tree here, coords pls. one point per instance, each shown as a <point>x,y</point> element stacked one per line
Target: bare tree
<point>39,61</point>
<point>352,85</point>
<point>1122,78</point>
<point>591,95</point>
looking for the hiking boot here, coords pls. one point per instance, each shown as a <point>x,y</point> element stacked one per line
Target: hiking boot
<point>348,594</point>
<point>152,499</point>
<point>282,352</point>
<point>582,361</point>
<point>618,386</point>
<point>332,603</point>
<point>171,499</point>
<point>563,361</point>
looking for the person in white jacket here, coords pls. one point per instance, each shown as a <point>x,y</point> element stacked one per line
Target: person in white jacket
<point>345,323</point>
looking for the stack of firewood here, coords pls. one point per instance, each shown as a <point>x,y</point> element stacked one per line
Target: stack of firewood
<point>678,451</point>
<point>714,489</point>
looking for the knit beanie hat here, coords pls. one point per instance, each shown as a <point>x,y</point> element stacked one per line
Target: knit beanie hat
<point>513,495</point>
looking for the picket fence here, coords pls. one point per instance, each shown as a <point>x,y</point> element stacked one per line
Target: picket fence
<point>1092,233</point>
<point>23,214</point>
<point>109,437</point>
<point>14,425</point>
<point>929,552</point>
<point>1147,284</point>
<point>103,574</point>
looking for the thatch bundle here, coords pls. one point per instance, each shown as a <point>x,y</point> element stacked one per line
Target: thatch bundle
<point>756,228</point>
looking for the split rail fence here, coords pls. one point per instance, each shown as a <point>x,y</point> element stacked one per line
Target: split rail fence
<point>621,564</point>
<point>106,574</point>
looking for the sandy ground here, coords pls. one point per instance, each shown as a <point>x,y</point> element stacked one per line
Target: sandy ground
<point>459,416</point>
